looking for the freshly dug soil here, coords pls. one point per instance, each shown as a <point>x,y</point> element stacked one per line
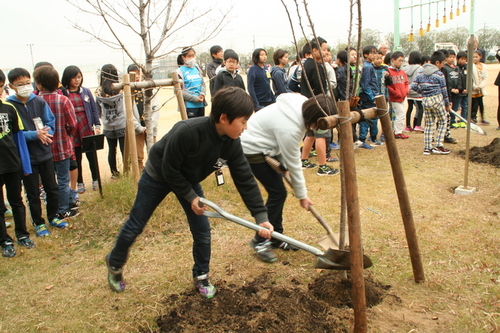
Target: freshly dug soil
<point>489,154</point>
<point>266,306</point>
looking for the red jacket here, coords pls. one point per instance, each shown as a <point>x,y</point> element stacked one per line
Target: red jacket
<point>399,88</point>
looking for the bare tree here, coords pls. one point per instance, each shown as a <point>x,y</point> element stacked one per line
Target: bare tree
<point>153,24</point>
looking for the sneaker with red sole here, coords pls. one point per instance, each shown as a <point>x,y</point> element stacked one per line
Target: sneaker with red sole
<point>440,151</point>
<point>401,136</point>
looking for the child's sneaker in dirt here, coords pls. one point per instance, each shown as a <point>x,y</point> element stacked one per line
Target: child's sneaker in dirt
<point>440,151</point>
<point>41,230</point>
<point>80,188</point>
<point>8,249</point>
<point>283,246</point>
<point>263,250</point>
<point>59,223</point>
<point>325,170</point>
<point>115,277</point>
<point>205,288</point>
<point>26,242</point>
<point>418,129</point>
<point>427,151</point>
<point>306,164</point>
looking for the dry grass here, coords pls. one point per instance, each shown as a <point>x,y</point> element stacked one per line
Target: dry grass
<point>60,286</point>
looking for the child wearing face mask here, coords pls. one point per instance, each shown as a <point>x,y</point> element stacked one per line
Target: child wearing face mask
<point>194,90</point>
<point>39,127</point>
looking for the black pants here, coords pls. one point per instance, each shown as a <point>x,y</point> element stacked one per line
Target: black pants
<point>112,143</point>
<point>92,164</point>
<point>477,103</point>
<point>419,113</point>
<point>276,190</point>
<point>12,182</point>
<point>46,172</point>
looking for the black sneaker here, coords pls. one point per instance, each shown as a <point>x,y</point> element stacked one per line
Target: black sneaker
<point>263,250</point>
<point>427,151</point>
<point>307,165</point>
<point>68,214</point>
<point>115,277</point>
<point>325,170</point>
<point>75,205</point>
<point>8,249</point>
<point>284,246</point>
<point>26,242</point>
<point>450,140</point>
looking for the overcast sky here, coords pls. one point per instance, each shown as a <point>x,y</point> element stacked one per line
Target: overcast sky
<point>36,30</point>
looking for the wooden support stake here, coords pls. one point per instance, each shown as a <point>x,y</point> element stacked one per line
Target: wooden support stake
<point>178,93</point>
<point>399,181</point>
<point>130,145</point>
<point>353,218</point>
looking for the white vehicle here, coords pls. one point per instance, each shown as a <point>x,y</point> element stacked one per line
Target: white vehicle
<point>446,46</point>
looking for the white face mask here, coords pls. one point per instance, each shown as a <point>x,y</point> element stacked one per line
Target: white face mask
<point>191,62</point>
<point>25,91</point>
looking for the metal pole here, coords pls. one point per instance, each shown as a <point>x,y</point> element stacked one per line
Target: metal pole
<point>397,45</point>
<point>470,49</point>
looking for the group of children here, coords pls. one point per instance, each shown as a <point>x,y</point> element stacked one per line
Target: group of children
<point>38,135</point>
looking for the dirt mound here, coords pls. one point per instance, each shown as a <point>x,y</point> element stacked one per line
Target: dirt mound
<point>489,154</point>
<point>267,306</point>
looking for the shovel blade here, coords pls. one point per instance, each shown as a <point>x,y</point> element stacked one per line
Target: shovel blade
<point>327,243</point>
<point>339,260</point>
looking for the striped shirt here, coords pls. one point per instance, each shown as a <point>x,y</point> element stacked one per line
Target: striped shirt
<point>62,108</point>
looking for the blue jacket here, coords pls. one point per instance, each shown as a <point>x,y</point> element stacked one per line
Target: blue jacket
<point>368,84</point>
<point>280,81</point>
<point>33,108</point>
<point>90,107</point>
<point>258,86</point>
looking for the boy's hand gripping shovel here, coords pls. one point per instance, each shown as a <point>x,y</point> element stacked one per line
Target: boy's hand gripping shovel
<point>331,259</point>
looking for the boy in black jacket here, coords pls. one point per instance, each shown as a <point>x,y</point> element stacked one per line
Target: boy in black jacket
<point>192,150</point>
<point>459,96</point>
<point>228,76</point>
<point>15,157</point>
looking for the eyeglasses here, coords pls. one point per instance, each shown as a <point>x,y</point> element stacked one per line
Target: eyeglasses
<point>19,85</point>
<point>230,61</point>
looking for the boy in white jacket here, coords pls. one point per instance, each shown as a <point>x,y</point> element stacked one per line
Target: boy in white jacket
<point>277,131</point>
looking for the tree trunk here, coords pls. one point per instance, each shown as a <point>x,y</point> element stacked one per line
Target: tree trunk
<point>148,97</point>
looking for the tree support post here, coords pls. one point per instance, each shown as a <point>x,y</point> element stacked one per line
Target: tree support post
<point>399,182</point>
<point>178,92</point>
<point>130,154</point>
<point>353,218</point>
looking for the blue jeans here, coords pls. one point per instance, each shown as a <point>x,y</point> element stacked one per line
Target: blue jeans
<point>62,175</point>
<point>368,124</point>
<point>276,190</point>
<point>149,195</point>
<point>459,102</point>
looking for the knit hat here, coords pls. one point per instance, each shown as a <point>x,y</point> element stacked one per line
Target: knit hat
<point>229,53</point>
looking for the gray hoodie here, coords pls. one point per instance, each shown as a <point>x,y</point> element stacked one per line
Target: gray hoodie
<point>411,72</point>
<point>112,113</point>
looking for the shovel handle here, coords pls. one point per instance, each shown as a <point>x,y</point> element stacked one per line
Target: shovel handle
<point>223,214</point>
<point>473,127</point>
<point>325,225</point>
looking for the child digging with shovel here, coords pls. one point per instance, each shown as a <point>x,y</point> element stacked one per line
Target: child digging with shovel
<point>192,150</point>
<point>277,131</point>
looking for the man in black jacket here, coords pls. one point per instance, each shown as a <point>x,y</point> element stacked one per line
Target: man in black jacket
<point>192,150</point>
